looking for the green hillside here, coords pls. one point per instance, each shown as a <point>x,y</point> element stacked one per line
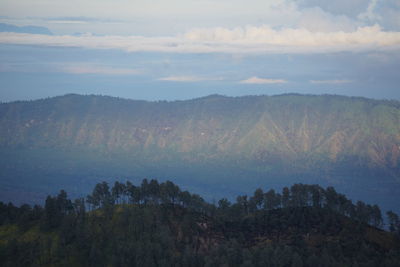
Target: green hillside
<point>209,145</point>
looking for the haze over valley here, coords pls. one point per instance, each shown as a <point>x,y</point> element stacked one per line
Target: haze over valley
<point>214,145</point>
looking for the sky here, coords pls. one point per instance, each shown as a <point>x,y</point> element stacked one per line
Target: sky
<point>183,49</point>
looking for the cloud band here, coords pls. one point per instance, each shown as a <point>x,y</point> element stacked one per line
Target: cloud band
<point>262,39</point>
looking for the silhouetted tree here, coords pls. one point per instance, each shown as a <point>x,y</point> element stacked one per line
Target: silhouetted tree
<point>394,222</point>
<point>258,199</point>
<point>285,197</point>
<point>117,192</point>
<point>101,196</point>
<point>270,200</point>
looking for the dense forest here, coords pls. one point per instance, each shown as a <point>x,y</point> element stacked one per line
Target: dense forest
<point>158,224</point>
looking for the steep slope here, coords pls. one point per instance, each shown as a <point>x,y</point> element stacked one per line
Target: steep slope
<point>327,139</point>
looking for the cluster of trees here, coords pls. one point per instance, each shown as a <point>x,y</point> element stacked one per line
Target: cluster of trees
<point>301,195</point>
<point>158,224</point>
<point>394,222</point>
<point>148,193</point>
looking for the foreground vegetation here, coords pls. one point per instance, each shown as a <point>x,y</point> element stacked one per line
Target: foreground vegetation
<point>158,224</point>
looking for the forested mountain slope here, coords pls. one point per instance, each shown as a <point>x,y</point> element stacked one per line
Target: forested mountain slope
<point>352,143</point>
<point>158,224</point>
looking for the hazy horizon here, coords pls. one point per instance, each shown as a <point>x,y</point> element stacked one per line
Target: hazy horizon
<point>198,97</point>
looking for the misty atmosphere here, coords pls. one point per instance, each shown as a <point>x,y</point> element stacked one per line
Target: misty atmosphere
<point>200,133</point>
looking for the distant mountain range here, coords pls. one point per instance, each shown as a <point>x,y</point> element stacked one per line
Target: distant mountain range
<point>211,145</point>
<point>4,27</point>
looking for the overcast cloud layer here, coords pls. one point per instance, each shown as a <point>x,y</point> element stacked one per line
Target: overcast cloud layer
<point>233,47</point>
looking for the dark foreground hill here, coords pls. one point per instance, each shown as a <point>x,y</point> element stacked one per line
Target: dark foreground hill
<point>211,145</point>
<point>160,225</point>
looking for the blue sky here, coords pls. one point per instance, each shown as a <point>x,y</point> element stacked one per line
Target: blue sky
<point>179,49</point>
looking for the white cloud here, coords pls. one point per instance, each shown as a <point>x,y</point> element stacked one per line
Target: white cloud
<point>330,81</point>
<point>250,39</point>
<point>161,17</point>
<point>188,79</point>
<point>256,80</point>
<point>93,69</point>
<point>129,8</point>
<point>73,68</point>
<point>68,21</point>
